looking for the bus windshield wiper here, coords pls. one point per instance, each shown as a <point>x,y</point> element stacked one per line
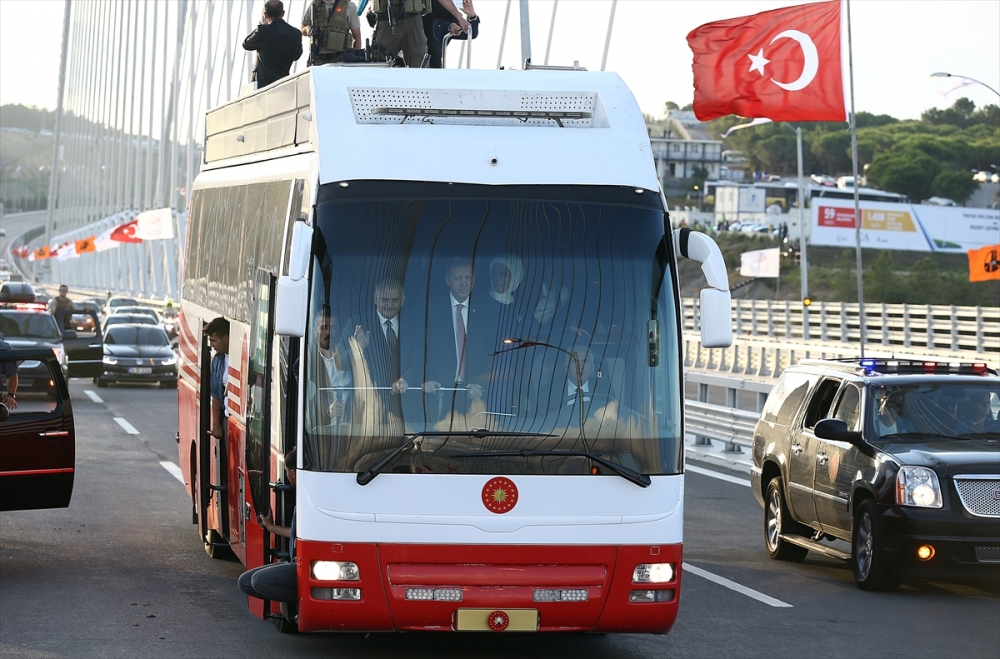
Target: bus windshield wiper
<point>366,476</point>
<point>631,475</point>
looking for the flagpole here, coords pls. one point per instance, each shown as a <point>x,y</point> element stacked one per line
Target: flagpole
<point>857,203</point>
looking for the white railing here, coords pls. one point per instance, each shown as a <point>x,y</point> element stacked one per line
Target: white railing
<point>914,328</point>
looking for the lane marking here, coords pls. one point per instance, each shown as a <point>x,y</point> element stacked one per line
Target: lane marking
<point>739,588</point>
<point>92,396</point>
<point>174,470</point>
<point>715,474</point>
<point>128,427</point>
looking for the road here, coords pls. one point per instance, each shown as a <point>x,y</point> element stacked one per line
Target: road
<point>121,573</point>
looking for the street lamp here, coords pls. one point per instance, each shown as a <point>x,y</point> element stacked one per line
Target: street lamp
<point>942,74</point>
<point>518,344</point>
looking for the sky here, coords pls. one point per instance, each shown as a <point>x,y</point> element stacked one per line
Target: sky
<point>897,45</point>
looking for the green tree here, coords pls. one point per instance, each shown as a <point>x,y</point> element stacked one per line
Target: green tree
<point>881,282</point>
<point>670,105</point>
<point>904,172</point>
<point>954,184</point>
<point>845,278</point>
<point>833,151</point>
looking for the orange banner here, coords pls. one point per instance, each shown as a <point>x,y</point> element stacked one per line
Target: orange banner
<point>86,245</point>
<point>42,253</point>
<point>984,263</point>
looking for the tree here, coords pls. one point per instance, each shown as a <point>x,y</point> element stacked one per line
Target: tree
<point>670,105</point>
<point>955,184</point>
<point>907,173</point>
<point>833,150</point>
<point>882,284</point>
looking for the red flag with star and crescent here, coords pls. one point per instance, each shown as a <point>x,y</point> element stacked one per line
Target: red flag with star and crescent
<point>783,65</point>
<point>126,233</point>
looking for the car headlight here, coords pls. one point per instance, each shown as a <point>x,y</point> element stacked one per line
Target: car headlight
<point>60,353</point>
<point>169,361</point>
<point>918,486</point>
<point>110,361</point>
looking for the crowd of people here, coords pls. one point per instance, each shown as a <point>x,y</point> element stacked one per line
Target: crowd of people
<point>410,32</point>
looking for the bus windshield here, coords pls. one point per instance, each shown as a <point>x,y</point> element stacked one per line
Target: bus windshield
<point>553,320</point>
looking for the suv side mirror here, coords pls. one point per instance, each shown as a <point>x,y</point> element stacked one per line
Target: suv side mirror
<point>836,430</point>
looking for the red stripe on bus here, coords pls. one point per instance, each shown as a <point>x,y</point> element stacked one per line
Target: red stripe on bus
<point>37,472</point>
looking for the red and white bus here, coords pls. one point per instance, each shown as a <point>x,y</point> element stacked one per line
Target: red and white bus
<point>536,486</point>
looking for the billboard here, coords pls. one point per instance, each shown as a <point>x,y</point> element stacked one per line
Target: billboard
<point>911,227</point>
<point>761,263</point>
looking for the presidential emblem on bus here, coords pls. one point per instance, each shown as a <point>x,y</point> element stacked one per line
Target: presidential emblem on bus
<point>500,495</point>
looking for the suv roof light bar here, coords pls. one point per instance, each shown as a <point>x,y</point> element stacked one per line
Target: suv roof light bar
<point>914,366</point>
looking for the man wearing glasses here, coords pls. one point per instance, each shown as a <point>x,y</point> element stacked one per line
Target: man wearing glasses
<point>62,307</point>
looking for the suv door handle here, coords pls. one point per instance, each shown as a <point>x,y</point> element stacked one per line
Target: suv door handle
<point>54,433</point>
<point>821,457</point>
<point>796,448</point>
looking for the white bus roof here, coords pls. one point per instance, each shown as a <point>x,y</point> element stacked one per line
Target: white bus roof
<point>460,126</point>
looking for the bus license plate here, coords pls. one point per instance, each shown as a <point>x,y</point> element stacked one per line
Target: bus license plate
<point>140,369</point>
<point>477,620</point>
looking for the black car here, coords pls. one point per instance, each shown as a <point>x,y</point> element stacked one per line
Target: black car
<point>129,319</point>
<point>17,291</point>
<point>138,353</point>
<point>28,325</point>
<point>900,459</point>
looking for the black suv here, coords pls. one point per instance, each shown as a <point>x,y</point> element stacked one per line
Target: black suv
<point>899,458</point>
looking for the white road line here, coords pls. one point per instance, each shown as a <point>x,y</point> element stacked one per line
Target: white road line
<point>92,396</point>
<point>128,427</point>
<point>174,470</point>
<point>715,474</point>
<point>732,585</point>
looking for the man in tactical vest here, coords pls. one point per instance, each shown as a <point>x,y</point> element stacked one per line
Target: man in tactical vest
<point>337,28</point>
<point>401,28</point>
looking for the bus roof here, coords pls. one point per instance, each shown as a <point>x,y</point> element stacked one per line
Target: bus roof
<point>461,126</point>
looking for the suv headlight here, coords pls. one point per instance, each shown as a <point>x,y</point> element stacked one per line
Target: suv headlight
<point>918,486</point>
<point>60,354</point>
<point>110,361</point>
<point>169,361</point>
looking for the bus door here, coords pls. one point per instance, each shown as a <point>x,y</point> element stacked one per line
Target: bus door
<point>258,418</point>
<point>209,480</point>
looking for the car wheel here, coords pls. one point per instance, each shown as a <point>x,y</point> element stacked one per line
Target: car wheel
<point>101,382</point>
<point>868,561</point>
<point>778,521</point>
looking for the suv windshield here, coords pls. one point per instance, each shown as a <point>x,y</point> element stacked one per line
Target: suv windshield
<point>550,324</point>
<point>27,324</point>
<point>942,410</point>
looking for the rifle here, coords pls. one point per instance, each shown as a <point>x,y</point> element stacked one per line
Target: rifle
<point>314,34</point>
<point>393,13</point>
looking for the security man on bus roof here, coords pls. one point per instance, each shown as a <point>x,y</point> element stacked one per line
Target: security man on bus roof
<point>400,27</point>
<point>337,29</point>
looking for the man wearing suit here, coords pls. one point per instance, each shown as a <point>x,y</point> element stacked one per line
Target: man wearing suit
<point>587,388</point>
<point>380,339</point>
<point>456,352</point>
<point>277,43</point>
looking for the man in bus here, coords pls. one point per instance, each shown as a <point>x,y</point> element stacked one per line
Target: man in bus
<point>277,43</point>
<point>217,332</point>
<point>277,581</point>
<point>329,387</point>
<point>380,336</point>
<point>455,350</point>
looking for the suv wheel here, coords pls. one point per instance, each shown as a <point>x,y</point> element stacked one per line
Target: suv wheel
<point>871,569</point>
<point>778,521</point>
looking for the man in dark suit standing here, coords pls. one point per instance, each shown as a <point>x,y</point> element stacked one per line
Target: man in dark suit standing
<point>586,387</point>
<point>456,352</point>
<point>379,336</point>
<point>277,43</point>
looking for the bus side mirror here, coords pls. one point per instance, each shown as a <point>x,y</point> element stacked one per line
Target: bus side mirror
<point>291,303</point>
<point>716,302</point>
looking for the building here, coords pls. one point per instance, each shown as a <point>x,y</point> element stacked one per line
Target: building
<point>681,144</point>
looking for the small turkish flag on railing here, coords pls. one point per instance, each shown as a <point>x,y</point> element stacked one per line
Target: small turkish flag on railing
<point>783,65</point>
<point>126,233</point>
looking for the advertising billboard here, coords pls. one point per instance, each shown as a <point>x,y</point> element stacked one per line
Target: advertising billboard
<point>911,227</point>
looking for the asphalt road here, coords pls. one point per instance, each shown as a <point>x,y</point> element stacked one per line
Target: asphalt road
<point>121,573</point>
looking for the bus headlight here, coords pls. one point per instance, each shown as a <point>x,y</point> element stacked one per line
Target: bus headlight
<point>335,571</point>
<point>918,486</point>
<point>653,573</point>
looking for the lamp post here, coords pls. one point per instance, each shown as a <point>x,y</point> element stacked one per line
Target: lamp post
<point>942,74</point>
<point>518,344</point>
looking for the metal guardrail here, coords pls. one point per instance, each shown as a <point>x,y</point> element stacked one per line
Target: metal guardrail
<point>908,327</point>
<point>726,423</point>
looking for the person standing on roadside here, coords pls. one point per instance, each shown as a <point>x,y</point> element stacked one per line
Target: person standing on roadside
<point>277,43</point>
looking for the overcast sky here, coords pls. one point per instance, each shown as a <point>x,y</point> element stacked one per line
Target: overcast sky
<point>897,45</point>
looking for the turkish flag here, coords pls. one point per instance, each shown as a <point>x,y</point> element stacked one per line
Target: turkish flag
<point>984,263</point>
<point>86,245</point>
<point>126,233</point>
<point>42,253</point>
<point>782,65</point>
